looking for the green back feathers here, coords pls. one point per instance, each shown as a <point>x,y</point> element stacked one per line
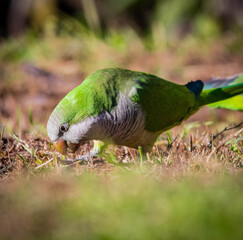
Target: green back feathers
<point>165,104</point>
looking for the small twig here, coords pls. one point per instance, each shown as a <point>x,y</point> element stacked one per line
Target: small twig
<point>236,134</point>
<point>213,137</point>
<point>217,149</point>
<point>43,164</point>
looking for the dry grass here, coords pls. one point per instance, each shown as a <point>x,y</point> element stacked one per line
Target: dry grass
<point>182,155</point>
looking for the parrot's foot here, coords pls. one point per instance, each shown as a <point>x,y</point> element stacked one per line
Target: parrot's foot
<point>83,158</point>
<point>99,147</point>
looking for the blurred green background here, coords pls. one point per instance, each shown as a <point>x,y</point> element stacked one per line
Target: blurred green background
<point>175,17</point>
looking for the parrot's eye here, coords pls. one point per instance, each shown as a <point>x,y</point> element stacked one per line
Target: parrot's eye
<point>63,128</point>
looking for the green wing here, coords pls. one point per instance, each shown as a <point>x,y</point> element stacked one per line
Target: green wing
<point>164,103</point>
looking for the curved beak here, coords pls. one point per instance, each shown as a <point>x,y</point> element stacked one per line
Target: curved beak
<point>60,146</point>
<point>63,147</point>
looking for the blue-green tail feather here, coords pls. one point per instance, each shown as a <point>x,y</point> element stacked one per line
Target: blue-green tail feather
<point>226,84</point>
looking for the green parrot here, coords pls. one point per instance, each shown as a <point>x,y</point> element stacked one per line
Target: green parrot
<point>123,107</point>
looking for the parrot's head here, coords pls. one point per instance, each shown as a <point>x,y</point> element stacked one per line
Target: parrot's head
<point>75,120</point>
<point>63,133</point>
<point>68,125</point>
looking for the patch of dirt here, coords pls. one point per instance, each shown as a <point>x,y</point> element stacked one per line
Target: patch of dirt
<point>193,153</point>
